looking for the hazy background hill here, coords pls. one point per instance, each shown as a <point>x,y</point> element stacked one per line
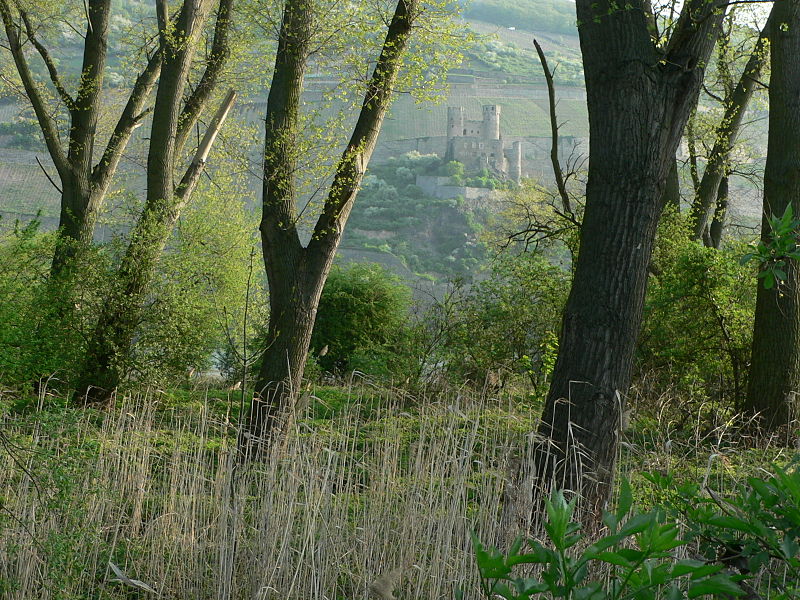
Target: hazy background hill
<point>501,68</point>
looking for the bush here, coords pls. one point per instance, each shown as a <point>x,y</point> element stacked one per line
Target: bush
<point>44,325</point>
<point>504,324</point>
<point>194,307</point>
<point>362,319</point>
<point>637,555</point>
<point>698,319</point>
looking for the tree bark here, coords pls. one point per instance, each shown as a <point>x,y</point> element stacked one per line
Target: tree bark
<point>775,363</point>
<point>113,335</point>
<point>639,98</point>
<point>717,227</point>
<point>725,137</point>
<point>297,274</point>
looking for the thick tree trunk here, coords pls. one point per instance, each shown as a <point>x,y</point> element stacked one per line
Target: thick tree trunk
<point>638,106</point>
<point>725,139</point>
<point>775,363</point>
<point>76,219</point>
<point>295,288</point>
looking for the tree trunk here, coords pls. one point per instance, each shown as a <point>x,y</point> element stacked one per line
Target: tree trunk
<point>638,101</point>
<point>294,291</point>
<point>725,138</point>
<point>717,226</point>
<point>110,345</point>
<point>297,274</point>
<point>672,191</point>
<point>775,363</point>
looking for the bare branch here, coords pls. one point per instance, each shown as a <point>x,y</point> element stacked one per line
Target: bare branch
<point>195,169</point>
<point>551,95</point>
<point>48,61</point>
<point>46,174</point>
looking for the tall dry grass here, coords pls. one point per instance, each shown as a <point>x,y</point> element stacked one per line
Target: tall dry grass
<point>377,498</point>
<point>339,505</point>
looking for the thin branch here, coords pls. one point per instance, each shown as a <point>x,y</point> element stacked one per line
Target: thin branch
<point>551,95</point>
<point>129,120</point>
<point>46,121</point>
<point>46,174</point>
<point>48,61</point>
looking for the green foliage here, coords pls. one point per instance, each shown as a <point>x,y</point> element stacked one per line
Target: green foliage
<point>637,553</point>
<point>505,324</point>
<point>780,246</point>
<point>195,306</point>
<point>43,324</point>
<point>362,319</point>
<point>206,280</point>
<point>23,133</point>
<point>698,319</point>
<point>754,527</point>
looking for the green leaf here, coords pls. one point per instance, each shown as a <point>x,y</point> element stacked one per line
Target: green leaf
<point>730,522</point>
<point>613,558</point>
<point>718,585</point>
<point>625,501</point>
<point>695,568</point>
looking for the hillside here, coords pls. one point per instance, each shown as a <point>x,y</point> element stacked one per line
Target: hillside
<point>501,69</point>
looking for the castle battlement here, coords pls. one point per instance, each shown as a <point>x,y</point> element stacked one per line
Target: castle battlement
<point>478,144</point>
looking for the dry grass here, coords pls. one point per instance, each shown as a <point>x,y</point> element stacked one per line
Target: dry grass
<point>356,506</point>
<point>337,507</point>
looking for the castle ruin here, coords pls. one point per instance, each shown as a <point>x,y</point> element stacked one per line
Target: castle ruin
<point>478,144</point>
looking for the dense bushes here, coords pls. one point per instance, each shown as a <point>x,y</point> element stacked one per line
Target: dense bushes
<point>698,318</point>
<point>195,306</point>
<point>504,325</point>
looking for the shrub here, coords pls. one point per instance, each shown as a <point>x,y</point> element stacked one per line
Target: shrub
<point>506,323</point>
<point>698,319</point>
<point>637,555</point>
<point>362,319</point>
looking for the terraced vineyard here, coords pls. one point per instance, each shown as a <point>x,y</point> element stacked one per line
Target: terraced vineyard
<point>24,189</point>
<point>521,117</point>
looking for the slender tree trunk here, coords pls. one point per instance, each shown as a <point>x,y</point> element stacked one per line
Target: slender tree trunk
<point>672,191</point>
<point>726,134</point>
<point>717,226</point>
<point>638,101</point>
<point>110,345</point>
<point>297,274</point>
<point>775,363</point>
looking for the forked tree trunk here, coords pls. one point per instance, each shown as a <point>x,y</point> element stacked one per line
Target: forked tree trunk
<point>775,364</point>
<point>727,132</point>
<point>638,101</point>
<point>109,347</point>
<point>297,274</point>
<point>85,183</point>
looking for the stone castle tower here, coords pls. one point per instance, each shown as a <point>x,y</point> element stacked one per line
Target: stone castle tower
<point>479,144</point>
